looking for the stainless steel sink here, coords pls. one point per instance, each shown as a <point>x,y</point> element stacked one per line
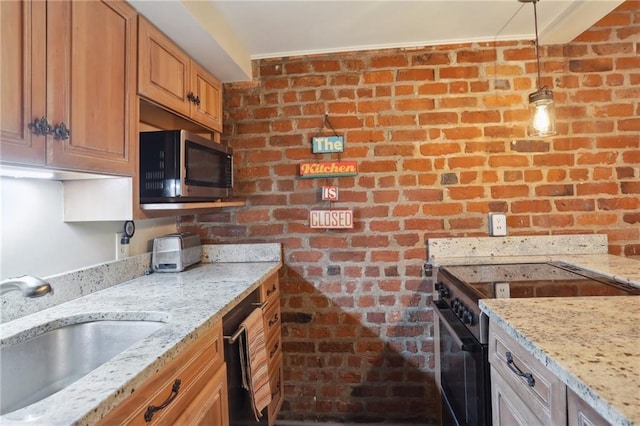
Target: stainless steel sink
<point>41,366</point>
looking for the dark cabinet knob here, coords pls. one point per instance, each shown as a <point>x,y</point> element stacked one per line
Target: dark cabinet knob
<point>191,97</point>
<point>61,132</point>
<point>40,127</point>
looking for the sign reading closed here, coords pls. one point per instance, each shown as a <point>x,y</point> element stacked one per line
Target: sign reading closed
<point>331,219</point>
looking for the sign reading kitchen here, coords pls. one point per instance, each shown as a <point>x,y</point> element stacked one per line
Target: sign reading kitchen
<point>328,169</point>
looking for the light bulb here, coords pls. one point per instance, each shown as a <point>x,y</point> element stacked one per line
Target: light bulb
<point>542,112</point>
<point>541,119</point>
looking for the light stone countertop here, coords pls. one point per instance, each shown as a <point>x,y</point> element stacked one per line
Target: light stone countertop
<point>189,301</point>
<point>591,343</point>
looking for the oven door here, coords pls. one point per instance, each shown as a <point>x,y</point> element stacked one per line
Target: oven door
<point>464,372</point>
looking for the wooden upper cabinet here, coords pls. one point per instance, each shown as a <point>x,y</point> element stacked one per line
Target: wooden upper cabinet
<point>91,71</point>
<point>22,75</point>
<point>168,77</point>
<point>73,62</point>
<point>208,94</point>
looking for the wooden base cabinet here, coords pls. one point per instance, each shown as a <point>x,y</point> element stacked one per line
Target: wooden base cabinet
<point>270,296</point>
<point>524,392</point>
<point>190,390</point>
<point>67,102</point>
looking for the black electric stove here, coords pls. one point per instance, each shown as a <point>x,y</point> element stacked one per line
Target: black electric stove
<point>461,286</point>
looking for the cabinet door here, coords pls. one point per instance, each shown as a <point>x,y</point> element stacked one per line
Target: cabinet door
<point>208,91</point>
<point>507,408</point>
<point>582,414</point>
<point>91,69</point>
<point>23,79</point>
<point>164,70</point>
<point>211,406</point>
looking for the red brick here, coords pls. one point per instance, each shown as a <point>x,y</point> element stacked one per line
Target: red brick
<point>458,72</point>
<point>389,61</point>
<point>415,74</point>
<point>476,56</point>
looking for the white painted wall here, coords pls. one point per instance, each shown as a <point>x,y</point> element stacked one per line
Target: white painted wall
<point>34,239</point>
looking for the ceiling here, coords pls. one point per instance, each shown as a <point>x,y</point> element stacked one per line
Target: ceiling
<point>225,35</point>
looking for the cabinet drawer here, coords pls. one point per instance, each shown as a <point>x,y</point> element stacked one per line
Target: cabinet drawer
<point>194,368</point>
<point>274,348</point>
<point>272,320</point>
<point>276,379</point>
<point>270,290</point>
<point>545,395</point>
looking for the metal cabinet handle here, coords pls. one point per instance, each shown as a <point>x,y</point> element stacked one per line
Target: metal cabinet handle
<point>274,350</point>
<point>513,367</point>
<point>190,97</point>
<point>271,290</point>
<point>151,410</point>
<point>196,100</point>
<point>273,320</point>
<point>61,132</point>
<point>40,127</point>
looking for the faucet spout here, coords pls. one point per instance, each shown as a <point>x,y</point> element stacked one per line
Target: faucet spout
<point>28,285</point>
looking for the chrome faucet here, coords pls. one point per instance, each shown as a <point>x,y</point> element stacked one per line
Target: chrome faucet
<point>28,285</point>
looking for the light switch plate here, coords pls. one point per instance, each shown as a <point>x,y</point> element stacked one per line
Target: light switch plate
<point>497,224</point>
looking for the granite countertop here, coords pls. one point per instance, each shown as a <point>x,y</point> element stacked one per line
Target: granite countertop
<point>189,302</point>
<point>592,344</point>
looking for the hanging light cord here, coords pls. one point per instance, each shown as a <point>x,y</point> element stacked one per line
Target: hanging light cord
<point>535,20</point>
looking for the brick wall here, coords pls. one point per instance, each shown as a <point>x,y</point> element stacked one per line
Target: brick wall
<point>439,137</point>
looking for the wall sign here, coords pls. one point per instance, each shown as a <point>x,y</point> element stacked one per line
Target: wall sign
<point>331,219</point>
<point>327,144</point>
<point>328,169</point>
<point>329,193</point>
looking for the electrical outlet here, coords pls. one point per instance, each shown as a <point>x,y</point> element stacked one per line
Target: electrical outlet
<point>122,250</point>
<point>501,290</point>
<point>497,224</point>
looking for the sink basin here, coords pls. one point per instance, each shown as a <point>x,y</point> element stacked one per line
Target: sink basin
<point>41,366</point>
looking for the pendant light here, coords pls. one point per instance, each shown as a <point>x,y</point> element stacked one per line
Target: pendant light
<point>542,112</point>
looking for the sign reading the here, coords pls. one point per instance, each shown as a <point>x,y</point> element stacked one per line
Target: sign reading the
<point>327,144</point>
<point>331,219</point>
<point>329,193</point>
<point>328,169</point>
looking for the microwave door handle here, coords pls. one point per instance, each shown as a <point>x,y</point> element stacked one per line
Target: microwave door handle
<point>462,337</point>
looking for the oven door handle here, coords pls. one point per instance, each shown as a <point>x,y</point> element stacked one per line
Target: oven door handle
<point>462,336</point>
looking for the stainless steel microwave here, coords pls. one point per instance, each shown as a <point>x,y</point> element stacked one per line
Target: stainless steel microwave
<point>179,166</point>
